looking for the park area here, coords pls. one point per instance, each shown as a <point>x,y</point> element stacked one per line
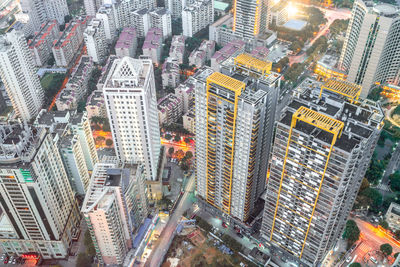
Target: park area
<point>51,83</point>
<point>193,248</point>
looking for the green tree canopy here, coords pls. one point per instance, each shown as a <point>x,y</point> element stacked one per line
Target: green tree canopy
<point>355,264</point>
<point>168,136</point>
<point>177,138</point>
<point>395,181</point>
<point>386,249</point>
<point>109,142</point>
<point>351,232</point>
<point>171,150</point>
<point>384,224</point>
<point>189,154</point>
<point>374,195</point>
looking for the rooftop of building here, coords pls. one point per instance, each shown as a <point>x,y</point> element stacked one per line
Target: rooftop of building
<point>126,38</point>
<point>160,11</point>
<point>207,44</point>
<point>153,39</point>
<point>43,33</point>
<point>360,118</point>
<point>81,70</point>
<point>106,69</point>
<point>329,61</point>
<point>45,118</point>
<point>96,98</point>
<point>105,176</point>
<point>394,208</point>
<point>260,52</point>
<point>69,31</point>
<point>220,5</point>
<point>128,73</point>
<point>229,50</point>
<point>142,11</point>
<point>383,9</point>
<point>197,4</point>
<point>19,144</point>
<point>170,65</point>
<point>168,102</point>
<point>93,27</point>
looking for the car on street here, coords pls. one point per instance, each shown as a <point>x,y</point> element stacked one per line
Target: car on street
<point>239,235</point>
<point>224,225</point>
<point>373,260</point>
<point>5,260</point>
<point>348,259</point>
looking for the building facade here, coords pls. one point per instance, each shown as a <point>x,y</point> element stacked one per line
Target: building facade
<point>197,16</point>
<point>35,194</point>
<point>41,43</point>
<point>18,73</point>
<point>234,117</point>
<point>95,40</point>
<point>40,11</point>
<point>127,43</point>
<point>170,109</point>
<point>371,50</point>
<point>152,46</point>
<point>129,93</point>
<point>67,45</point>
<point>324,141</point>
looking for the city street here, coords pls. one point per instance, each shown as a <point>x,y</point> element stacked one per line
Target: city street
<point>158,253</point>
<point>372,237</point>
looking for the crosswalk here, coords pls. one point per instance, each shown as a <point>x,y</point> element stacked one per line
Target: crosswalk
<point>383,187</point>
<point>364,247</point>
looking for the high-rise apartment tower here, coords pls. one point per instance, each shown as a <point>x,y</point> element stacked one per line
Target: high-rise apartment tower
<point>323,144</point>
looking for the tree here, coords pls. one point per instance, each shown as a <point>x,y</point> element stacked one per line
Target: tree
<point>168,136</point>
<point>83,260</point>
<point>374,196</point>
<point>189,155</point>
<point>351,232</point>
<point>171,150</point>
<point>51,60</point>
<point>231,242</point>
<point>384,224</point>
<point>395,181</point>
<point>67,18</point>
<point>100,138</point>
<point>364,184</point>
<point>109,142</point>
<point>179,154</point>
<point>187,140</point>
<point>397,234</point>
<point>177,138</point>
<point>355,264</point>
<point>396,254</point>
<point>386,249</point>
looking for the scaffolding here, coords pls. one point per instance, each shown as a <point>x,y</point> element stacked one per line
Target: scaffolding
<point>325,123</point>
<point>350,90</point>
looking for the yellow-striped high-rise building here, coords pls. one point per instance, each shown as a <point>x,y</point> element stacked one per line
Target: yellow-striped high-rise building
<point>235,111</point>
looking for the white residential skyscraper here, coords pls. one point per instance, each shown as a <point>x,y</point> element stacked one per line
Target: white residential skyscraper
<point>130,98</point>
<point>95,40</point>
<point>91,6</point>
<point>40,11</point>
<point>371,51</point>
<point>39,208</point>
<point>197,16</point>
<point>114,204</point>
<point>18,72</point>
<point>250,17</point>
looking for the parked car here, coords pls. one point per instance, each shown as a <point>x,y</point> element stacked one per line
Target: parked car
<point>240,235</point>
<point>373,260</point>
<point>224,225</point>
